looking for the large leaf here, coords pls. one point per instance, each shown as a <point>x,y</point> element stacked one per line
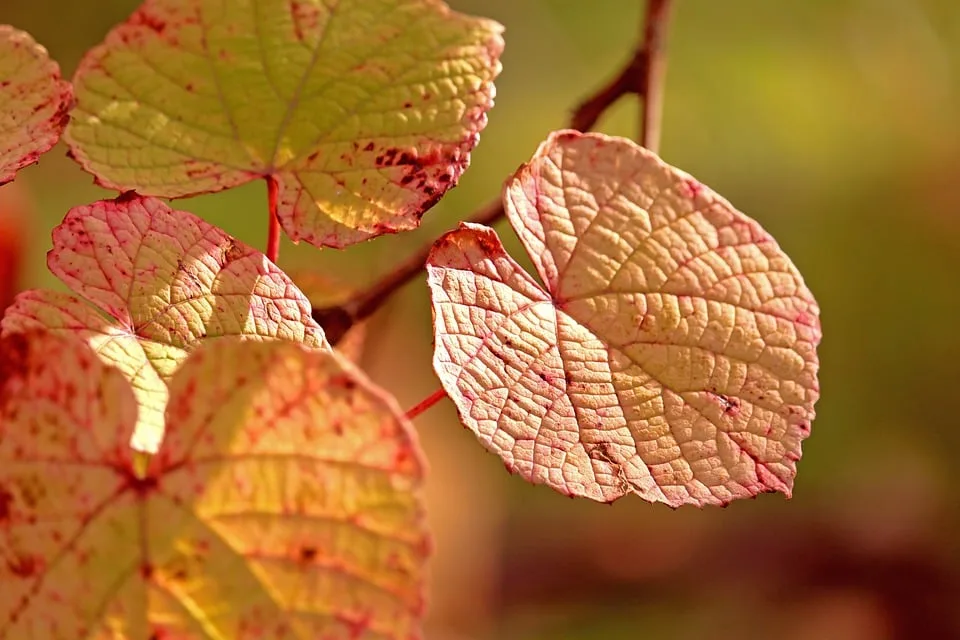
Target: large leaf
<point>284,502</point>
<point>672,353</point>
<point>363,111</point>
<point>34,102</point>
<point>161,281</point>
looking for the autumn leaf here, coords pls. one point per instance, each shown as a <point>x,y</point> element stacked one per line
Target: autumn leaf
<point>363,112</point>
<point>670,354</point>
<point>34,102</point>
<point>152,283</point>
<point>283,503</point>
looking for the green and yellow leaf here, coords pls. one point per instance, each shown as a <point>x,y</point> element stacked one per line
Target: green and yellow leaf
<point>364,112</point>
<point>34,102</point>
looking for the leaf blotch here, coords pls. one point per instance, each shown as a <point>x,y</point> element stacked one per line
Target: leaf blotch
<point>6,504</point>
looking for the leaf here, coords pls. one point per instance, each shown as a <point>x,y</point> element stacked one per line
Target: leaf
<point>363,111</point>
<point>34,102</point>
<point>162,281</point>
<point>672,353</point>
<point>284,502</point>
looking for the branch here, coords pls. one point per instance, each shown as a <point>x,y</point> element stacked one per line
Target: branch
<point>650,79</point>
<point>643,76</point>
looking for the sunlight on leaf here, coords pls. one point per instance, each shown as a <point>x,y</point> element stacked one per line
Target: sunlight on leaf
<point>284,501</point>
<point>34,102</point>
<point>364,111</point>
<point>161,281</point>
<point>671,354</point>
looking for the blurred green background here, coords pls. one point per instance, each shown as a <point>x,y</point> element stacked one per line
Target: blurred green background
<point>835,123</point>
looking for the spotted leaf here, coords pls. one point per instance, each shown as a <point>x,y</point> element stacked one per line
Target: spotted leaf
<point>361,112</point>
<point>152,283</point>
<point>283,503</point>
<point>670,351</point>
<point>34,102</point>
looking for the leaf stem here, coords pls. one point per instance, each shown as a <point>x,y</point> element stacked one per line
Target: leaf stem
<point>643,75</point>
<point>273,223</point>
<point>426,403</point>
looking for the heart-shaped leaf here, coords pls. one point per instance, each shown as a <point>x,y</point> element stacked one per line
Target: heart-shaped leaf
<point>672,353</point>
<point>34,102</point>
<point>364,112</point>
<point>162,281</point>
<point>284,501</point>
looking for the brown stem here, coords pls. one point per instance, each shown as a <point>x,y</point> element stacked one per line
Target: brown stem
<point>643,75</point>
<point>629,80</point>
<point>651,77</point>
<point>367,302</point>
<point>273,224</point>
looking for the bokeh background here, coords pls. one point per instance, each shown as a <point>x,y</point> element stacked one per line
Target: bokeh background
<point>836,123</point>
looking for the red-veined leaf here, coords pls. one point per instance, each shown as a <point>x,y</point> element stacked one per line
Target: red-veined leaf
<point>152,283</point>
<point>671,353</point>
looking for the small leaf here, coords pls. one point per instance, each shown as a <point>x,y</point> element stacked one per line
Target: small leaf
<point>162,281</point>
<point>34,102</point>
<point>284,502</point>
<point>363,111</point>
<point>672,353</point>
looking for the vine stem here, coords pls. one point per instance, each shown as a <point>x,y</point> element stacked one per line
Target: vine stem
<point>273,223</point>
<point>426,403</point>
<point>643,75</point>
<point>652,76</point>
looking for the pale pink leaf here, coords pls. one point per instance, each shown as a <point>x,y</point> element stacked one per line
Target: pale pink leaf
<point>159,281</point>
<point>669,353</point>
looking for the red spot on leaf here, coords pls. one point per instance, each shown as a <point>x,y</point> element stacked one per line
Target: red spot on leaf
<point>693,187</point>
<point>145,19</point>
<point>14,359</point>
<point>356,627</point>
<point>806,319</point>
<point>6,503</point>
<point>25,566</point>
<point>343,382</point>
<point>307,554</point>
